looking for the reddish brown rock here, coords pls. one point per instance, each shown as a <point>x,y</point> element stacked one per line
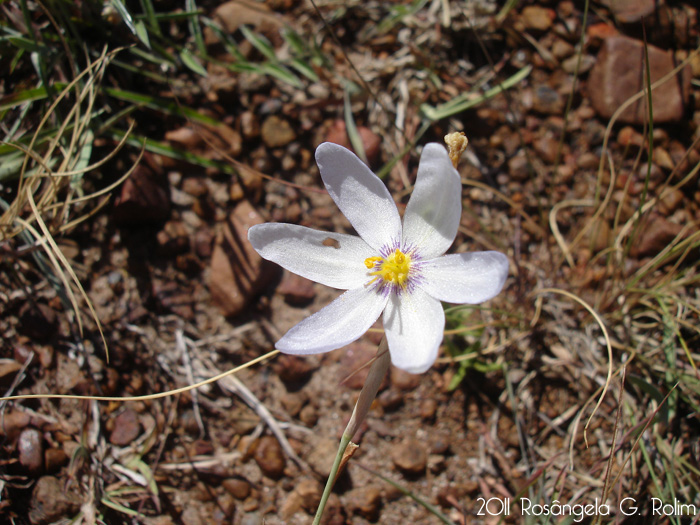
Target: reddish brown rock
<point>51,501</point>
<point>371,142</point>
<point>619,74</point>
<point>428,408</point>
<point>295,369</point>
<point>654,235</point>
<point>203,138</point>
<point>126,428</point>
<point>354,365</point>
<point>293,402</point>
<point>270,457</point>
<point>12,423</point>
<point>235,13</point>
<point>297,290</point>
<point>390,399</point>
<point>671,201</point>
<point>306,495</point>
<point>547,147</point>
<point>365,501</point>
<point>185,137</point>
<point>597,33</point>
<point>143,199</point>
<point>237,272</point>
<point>629,11</point>
<point>630,137</point>
<point>410,457</point>
<point>404,380</point>
<point>238,488</point>
<point>308,415</point>
<point>27,354</point>
<point>54,459</point>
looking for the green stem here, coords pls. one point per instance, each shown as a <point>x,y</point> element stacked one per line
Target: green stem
<point>369,391</point>
<point>344,442</point>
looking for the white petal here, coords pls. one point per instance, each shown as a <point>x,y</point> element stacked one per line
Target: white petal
<point>469,278</point>
<point>433,212</point>
<point>414,323</point>
<point>338,324</point>
<point>333,259</point>
<point>359,194</point>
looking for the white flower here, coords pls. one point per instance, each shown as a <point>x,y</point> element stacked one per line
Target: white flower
<point>394,268</point>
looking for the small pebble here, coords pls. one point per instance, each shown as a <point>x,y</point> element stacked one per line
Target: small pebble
<point>308,415</point>
<point>126,428</point>
<point>238,488</point>
<point>365,502</point>
<point>270,457</point>
<point>428,407</point>
<point>294,369</point>
<point>403,380</point>
<point>31,450</point>
<point>277,132</point>
<point>410,457</point>
<point>54,459</point>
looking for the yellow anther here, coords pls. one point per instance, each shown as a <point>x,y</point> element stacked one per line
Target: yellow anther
<point>392,269</point>
<point>371,261</point>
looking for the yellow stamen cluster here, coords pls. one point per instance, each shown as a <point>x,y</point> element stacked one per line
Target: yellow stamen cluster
<point>393,269</point>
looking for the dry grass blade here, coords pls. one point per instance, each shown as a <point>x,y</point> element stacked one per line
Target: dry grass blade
<point>600,322</point>
<point>148,397</point>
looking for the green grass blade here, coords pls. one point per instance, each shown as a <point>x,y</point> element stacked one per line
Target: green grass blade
<point>304,68</point>
<point>165,106</point>
<point>10,165</point>
<point>162,61</point>
<point>192,62</point>
<point>142,33</point>
<point>260,43</point>
<point>398,13</point>
<point>229,43</point>
<point>294,41</point>
<point>505,10</point>
<point>124,14</point>
<point>351,128</point>
<point>194,26</point>
<point>167,17</point>
<point>282,73</point>
<point>28,95</point>
<point>469,100</point>
<point>25,44</point>
<point>162,148</point>
<point>119,508</point>
<point>151,18</point>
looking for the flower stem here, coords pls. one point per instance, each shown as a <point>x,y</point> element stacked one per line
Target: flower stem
<point>344,441</point>
<point>369,391</point>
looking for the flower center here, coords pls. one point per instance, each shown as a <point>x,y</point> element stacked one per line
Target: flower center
<point>393,268</point>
